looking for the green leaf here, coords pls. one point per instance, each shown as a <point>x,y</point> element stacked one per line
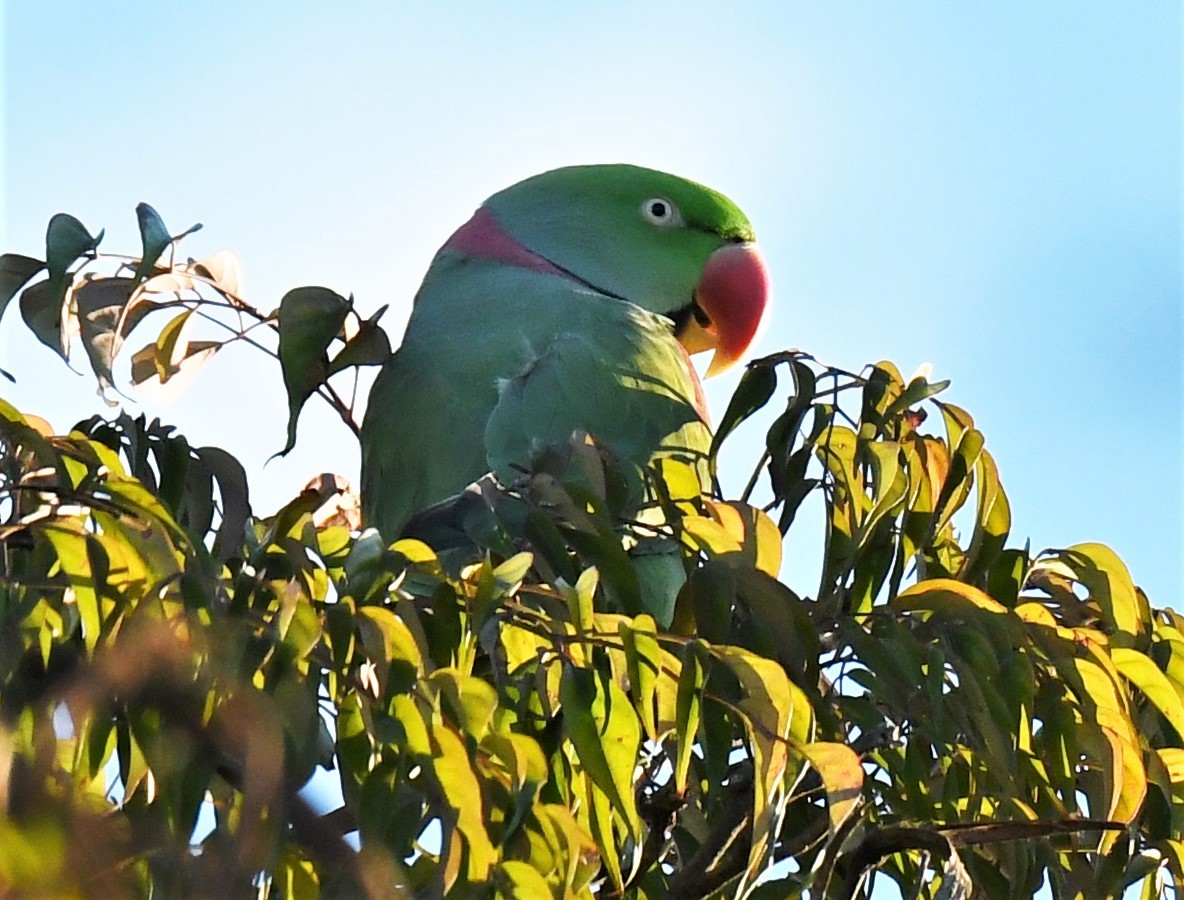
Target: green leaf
<point>154,238</point>
<point>41,308</point>
<point>309,319</point>
<point>66,239</point>
<point>583,861</point>
<point>600,818</point>
<point>521,755</point>
<point>890,483</point>
<point>710,593</point>
<point>15,272</point>
<point>776,714</point>
<point>918,389</point>
<point>71,542</point>
<point>599,721</point>
<point>691,680</point>
<point>754,390</point>
<point>643,657</point>
<point>992,521</point>
<point>779,623</point>
<point>369,347</point>
<point>710,536</point>
<point>234,494</point>
<point>296,877</point>
<point>1128,782</point>
<point>388,640</point>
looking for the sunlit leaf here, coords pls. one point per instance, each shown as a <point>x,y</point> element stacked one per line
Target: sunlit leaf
<point>599,721</point>
<point>387,640</point>
<point>691,680</point>
<point>946,595</point>
<point>1148,678</point>
<point>164,368</point>
<point>644,659</point>
<point>710,535</point>
<point>519,881</point>
<point>472,700</point>
<point>1109,582</point>
<point>462,791</point>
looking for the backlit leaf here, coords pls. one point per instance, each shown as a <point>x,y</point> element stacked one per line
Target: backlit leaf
<point>690,698</point>
<point>599,721</point>
<point>99,305</point>
<point>644,659</point>
<point>15,272</point>
<point>1147,677</point>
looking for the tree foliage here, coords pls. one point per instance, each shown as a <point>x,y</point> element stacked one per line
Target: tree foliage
<point>947,710</point>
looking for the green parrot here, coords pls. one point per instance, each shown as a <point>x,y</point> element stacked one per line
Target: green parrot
<point>567,304</point>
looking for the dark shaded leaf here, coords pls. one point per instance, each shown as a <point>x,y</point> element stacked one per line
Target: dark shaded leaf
<point>756,387</point>
<point>66,239</point>
<point>309,319</point>
<point>41,308</point>
<point>15,272</point>
<point>154,238</point>
<point>369,347</point>
<point>234,497</point>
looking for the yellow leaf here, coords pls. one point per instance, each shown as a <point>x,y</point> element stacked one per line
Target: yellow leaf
<point>1109,583</point>
<point>948,596</point>
<point>473,700</point>
<point>1144,674</point>
<point>709,535</point>
<point>517,880</point>
<point>1128,780</point>
<point>842,776</point>
<point>1173,760</point>
<point>462,792</point>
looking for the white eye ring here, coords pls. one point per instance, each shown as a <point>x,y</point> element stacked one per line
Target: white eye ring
<point>660,211</point>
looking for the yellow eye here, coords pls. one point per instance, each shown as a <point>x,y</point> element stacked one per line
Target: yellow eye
<point>660,211</point>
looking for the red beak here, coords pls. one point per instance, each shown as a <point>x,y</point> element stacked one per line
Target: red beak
<point>731,297</point>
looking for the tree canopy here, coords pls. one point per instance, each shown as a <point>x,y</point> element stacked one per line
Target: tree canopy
<point>947,710</point>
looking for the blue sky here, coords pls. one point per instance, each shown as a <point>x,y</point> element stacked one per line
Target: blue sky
<point>994,189</point>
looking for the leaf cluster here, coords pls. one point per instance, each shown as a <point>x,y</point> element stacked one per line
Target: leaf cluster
<point>955,714</point>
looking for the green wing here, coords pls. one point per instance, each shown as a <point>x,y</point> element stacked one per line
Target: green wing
<point>627,384</point>
<point>472,392</point>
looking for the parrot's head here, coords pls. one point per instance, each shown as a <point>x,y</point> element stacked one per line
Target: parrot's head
<point>664,243</point>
